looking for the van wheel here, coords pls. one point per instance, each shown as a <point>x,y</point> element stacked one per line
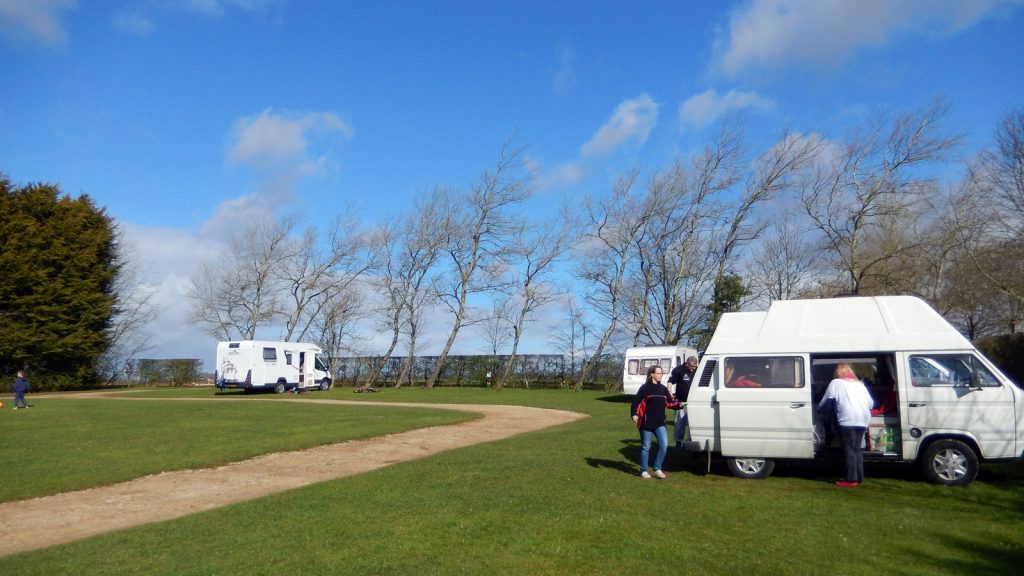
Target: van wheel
<point>950,462</point>
<point>279,389</point>
<point>751,468</point>
<point>325,384</point>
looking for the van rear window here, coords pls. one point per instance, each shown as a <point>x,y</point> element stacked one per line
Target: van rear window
<point>764,372</point>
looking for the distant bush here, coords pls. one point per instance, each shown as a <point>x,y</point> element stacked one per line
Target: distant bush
<point>1007,351</point>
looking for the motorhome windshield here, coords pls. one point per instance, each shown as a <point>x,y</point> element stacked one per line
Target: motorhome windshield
<point>322,363</point>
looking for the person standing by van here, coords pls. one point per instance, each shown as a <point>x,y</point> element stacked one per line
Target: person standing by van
<point>853,411</point>
<point>682,377</point>
<point>648,412</point>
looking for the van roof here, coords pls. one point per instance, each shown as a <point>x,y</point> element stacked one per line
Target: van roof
<point>854,324</point>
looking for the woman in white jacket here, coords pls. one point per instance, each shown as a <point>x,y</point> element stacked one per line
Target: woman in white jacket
<point>853,411</point>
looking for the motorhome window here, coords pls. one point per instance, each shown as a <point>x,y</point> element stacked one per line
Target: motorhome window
<point>949,370</point>
<point>233,345</point>
<point>270,354</point>
<point>633,367</point>
<point>288,358</point>
<point>764,372</point>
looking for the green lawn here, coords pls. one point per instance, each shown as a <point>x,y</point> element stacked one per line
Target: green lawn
<point>565,500</point>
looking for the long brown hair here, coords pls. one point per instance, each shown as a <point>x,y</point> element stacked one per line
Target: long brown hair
<point>650,373</point>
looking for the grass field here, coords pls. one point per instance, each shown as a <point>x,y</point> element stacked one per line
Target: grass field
<point>564,500</point>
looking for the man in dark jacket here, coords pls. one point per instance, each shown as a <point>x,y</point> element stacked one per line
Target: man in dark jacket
<point>682,377</point>
<point>20,389</point>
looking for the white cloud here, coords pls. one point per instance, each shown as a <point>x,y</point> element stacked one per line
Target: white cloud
<point>277,138</point>
<point>134,23</point>
<point>774,33</point>
<point>38,20</point>
<point>565,77</point>
<point>219,7</point>
<point>632,121</point>
<point>702,109</point>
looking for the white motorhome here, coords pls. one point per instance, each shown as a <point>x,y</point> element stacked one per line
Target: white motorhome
<point>267,365</point>
<point>939,402</point>
<point>639,359</point>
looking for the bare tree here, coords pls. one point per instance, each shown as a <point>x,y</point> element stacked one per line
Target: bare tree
<point>608,250</point>
<point>476,229</point>
<point>533,257</point>
<point>991,217</point>
<point>238,291</point>
<point>872,179</point>
<point>783,264</point>
<point>312,276</point>
<point>134,311</point>
<point>570,337</point>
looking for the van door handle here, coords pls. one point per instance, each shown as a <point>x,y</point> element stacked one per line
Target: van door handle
<point>797,404</point>
<point>918,404</point>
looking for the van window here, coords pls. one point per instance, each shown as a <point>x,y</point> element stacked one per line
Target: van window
<point>270,354</point>
<point>639,366</point>
<point>764,372</point>
<point>949,370</point>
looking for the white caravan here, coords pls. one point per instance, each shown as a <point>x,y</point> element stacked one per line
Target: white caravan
<point>268,365</point>
<point>639,359</point>
<point>938,401</point>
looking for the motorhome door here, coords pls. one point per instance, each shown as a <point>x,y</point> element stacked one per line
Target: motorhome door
<point>764,407</point>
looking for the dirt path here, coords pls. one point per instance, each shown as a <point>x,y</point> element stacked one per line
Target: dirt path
<point>49,520</point>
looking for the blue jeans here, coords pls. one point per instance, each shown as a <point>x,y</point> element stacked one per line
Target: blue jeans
<point>645,447</point>
<point>851,437</point>
<point>680,425</point>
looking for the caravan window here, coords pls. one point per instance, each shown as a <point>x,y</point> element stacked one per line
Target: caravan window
<point>639,366</point>
<point>764,372</point>
<point>270,354</point>
<point>949,370</point>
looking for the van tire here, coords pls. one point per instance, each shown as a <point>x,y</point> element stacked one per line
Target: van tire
<point>751,468</point>
<point>280,388</point>
<point>950,463</point>
<point>325,385</point>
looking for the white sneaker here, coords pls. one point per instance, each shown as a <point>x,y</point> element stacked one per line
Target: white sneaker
<point>659,474</point>
<point>645,475</point>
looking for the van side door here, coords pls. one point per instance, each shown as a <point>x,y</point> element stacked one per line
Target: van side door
<point>764,407</point>
<point>957,393</point>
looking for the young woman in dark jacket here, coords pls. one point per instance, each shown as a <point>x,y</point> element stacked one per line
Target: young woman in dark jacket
<point>648,412</point>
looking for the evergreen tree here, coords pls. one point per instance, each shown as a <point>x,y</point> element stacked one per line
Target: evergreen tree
<point>59,264</point>
<point>728,297</point>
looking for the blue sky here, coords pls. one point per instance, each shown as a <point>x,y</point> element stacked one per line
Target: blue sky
<point>179,116</point>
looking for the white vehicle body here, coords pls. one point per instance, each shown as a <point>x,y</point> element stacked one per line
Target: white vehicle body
<point>639,359</point>
<point>940,402</point>
<point>269,365</point>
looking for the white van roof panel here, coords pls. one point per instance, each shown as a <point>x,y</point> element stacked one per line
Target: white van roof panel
<point>876,323</point>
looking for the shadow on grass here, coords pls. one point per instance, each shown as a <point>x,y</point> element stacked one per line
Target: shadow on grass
<point>616,399</point>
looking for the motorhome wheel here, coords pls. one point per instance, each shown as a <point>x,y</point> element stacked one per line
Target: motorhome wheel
<point>950,462</point>
<point>751,468</point>
<point>325,384</point>
<point>279,389</point>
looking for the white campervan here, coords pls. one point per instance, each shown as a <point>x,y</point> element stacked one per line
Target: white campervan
<point>639,359</point>
<point>938,401</point>
<point>268,365</point>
